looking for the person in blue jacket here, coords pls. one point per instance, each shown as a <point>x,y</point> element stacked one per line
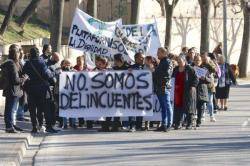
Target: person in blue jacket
<point>37,88</point>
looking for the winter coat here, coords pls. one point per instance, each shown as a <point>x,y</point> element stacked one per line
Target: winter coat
<point>202,88</point>
<point>190,96</point>
<point>37,83</point>
<point>162,76</point>
<point>14,80</point>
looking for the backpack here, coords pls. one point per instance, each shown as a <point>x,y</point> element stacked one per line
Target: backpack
<point>3,79</point>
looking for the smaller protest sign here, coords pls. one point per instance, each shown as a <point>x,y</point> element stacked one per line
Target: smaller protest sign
<point>200,72</point>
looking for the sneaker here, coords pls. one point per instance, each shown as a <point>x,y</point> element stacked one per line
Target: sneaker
<point>41,129</point>
<point>161,128</point>
<point>17,128</point>
<point>23,119</point>
<point>51,130</point>
<point>198,125</point>
<point>10,130</point>
<point>189,127</point>
<point>178,127</point>
<point>225,108</point>
<point>167,129</point>
<point>203,119</point>
<point>212,119</point>
<point>132,130</point>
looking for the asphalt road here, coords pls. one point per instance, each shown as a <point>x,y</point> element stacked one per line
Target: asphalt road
<point>225,142</point>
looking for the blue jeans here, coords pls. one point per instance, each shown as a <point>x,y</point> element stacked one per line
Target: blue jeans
<point>167,111</point>
<point>210,104</point>
<point>20,112</point>
<point>11,106</point>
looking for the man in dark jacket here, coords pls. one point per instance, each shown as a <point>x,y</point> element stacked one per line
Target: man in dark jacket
<point>38,90</point>
<point>12,91</point>
<point>162,76</point>
<point>136,123</point>
<point>119,64</point>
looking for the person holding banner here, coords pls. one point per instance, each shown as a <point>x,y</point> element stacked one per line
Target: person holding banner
<point>119,64</point>
<point>150,64</point>
<point>136,123</point>
<point>66,66</point>
<point>186,82</point>
<point>161,77</point>
<point>102,65</point>
<point>202,89</point>
<point>81,66</point>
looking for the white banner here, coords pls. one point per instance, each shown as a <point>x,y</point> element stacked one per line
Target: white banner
<point>91,35</point>
<point>141,30</point>
<point>106,94</point>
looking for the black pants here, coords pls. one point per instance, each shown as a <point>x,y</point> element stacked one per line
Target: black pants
<point>200,111</point>
<point>135,122</point>
<point>116,124</point>
<point>178,116</point>
<point>38,105</point>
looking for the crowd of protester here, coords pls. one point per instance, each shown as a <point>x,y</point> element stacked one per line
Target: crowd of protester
<point>32,84</point>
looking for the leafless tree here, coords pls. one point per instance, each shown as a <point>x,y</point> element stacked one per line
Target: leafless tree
<point>169,15</point>
<point>162,5</point>
<point>183,28</point>
<point>57,7</point>
<point>8,16</point>
<point>28,12</point>
<point>233,33</point>
<point>205,10</point>
<point>135,11</point>
<point>245,47</point>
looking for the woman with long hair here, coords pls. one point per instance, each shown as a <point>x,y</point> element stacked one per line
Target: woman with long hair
<point>12,90</point>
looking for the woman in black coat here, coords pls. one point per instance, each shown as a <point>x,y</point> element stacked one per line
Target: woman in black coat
<point>224,82</point>
<point>12,91</point>
<point>188,101</point>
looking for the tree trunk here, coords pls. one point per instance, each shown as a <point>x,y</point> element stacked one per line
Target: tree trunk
<point>169,15</point>
<point>28,12</point>
<point>56,24</point>
<point>162,5</point>
<point>92,8</point>
<point>8,17</point>
<point>245,47</point>
<point>205,10</point>
<point>135,6</point>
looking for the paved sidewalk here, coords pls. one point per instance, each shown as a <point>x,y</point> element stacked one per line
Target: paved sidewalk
<point>14,146</point>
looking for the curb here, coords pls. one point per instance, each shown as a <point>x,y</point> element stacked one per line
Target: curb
<point>15,148</point>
